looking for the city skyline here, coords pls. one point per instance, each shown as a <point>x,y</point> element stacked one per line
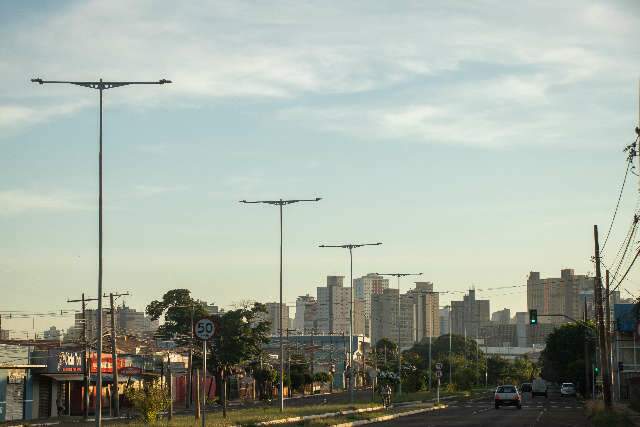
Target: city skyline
<point>474,162</point>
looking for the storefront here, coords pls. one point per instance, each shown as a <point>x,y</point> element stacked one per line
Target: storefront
<point>16,383</point>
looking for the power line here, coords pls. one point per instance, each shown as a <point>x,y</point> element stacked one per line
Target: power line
<point>615,212</point>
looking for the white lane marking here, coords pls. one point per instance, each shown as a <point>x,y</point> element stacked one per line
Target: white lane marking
<point>540,415</point>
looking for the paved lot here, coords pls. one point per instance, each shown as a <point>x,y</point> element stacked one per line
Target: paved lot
<point>553,412</point>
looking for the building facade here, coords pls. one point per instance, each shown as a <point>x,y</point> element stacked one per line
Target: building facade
<point>468,314</point>
<point>306,318</point>
<point>334,308</point>
<point>274,319</point>
<point>565,295</point>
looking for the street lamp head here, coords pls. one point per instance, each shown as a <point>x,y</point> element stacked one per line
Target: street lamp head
<point>318,199</point>
<point>38,80</point>
<point>242,201</point>
<point>163,81</point>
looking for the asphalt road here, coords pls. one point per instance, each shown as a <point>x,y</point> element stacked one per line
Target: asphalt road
<point>553,412</point>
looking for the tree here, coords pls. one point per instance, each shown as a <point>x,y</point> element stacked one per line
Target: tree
<point>240,336</point>
<point>467,360</point>
<point>563,357</point>
<point>179,309</point>
<point>149,400</point>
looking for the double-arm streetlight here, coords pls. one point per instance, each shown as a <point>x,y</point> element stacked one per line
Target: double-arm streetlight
<point>100,86</point>
<point>280,203</point>
<point>398,276</point>
<point>351,247</point>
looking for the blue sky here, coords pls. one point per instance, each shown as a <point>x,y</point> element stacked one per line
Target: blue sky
<point>477,140</point>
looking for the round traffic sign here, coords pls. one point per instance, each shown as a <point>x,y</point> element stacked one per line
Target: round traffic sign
<point>439,366</point>
<point>204,329</point>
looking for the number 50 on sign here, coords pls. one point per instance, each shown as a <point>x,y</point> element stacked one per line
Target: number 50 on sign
<point>205,329</point>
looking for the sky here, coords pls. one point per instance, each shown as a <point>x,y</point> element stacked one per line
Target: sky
<point>478,141</point>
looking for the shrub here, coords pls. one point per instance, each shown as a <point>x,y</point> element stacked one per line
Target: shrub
<point>149,401</point>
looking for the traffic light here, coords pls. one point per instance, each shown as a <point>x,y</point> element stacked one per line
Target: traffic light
<point>620,366</point>
<point>596,371</point>
<point>533,317</point>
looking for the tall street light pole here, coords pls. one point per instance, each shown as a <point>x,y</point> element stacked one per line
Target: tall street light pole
<point>351,247</point>
<point>280,203</point>
<point>398,276</point>
<point>100,86</point>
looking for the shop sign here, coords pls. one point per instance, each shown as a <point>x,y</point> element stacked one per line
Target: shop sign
<point>65,362</point>
<point>107,363</point>
<point>16,376</point>
<point>130,370</point>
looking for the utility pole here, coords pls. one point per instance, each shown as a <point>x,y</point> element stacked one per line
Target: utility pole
<point>607,325</point>
<point>115,393</point>
<point>606,378</point>
<point>587,357</point>
<point>86,359</point>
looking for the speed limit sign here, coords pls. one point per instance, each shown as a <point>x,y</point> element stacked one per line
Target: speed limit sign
<point>205,329</point>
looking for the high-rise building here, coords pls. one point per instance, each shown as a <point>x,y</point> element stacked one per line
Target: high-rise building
<point>445,326</point>
<point>384,316</point>
<point>565,295</point>
<point>364,287</point>
<point>306,319</point>
<point>426,303</point>
<point>468,314</point>
<point>417,319</point>
<point>128,321</point>
<point>273,317</point>
<point>503,316</point>
<point>333,308</point>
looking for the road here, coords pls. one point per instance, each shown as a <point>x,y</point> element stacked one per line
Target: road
<point>553,412</point>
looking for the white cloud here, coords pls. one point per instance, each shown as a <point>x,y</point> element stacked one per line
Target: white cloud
<point>290,50</point>
<point>21,201</point>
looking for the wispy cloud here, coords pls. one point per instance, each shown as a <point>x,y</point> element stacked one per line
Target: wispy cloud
<point>291,50</point>
<point>19,201</point>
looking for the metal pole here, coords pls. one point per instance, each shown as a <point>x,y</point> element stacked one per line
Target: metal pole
<point>430,362</point>
<point>87,363</point>
<point>99,355</point>
<point>280,321</point>
<point>351,397</point>
<point>115,396</point>
<point>399,352</point>
<point>450,346</point>
<point>204,382</point>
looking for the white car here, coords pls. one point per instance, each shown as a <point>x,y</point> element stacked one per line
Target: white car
<point>507,395</point>
<point>567,389</point>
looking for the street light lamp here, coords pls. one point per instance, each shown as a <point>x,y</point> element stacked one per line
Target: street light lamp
<point>351,247</point>
<point>398,276</point>
<point>100,86</point>
<point>280,203</point>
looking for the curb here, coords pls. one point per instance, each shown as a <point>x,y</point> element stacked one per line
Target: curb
<point>317,416</point>
<point>388,417</point>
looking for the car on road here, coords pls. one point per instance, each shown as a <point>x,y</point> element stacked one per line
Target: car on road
<point>539,388</point>
<point>507,395</point>
<point>525,388</point>
<point>567,389</point>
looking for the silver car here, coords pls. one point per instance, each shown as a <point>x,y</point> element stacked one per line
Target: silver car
<point>567,389</point>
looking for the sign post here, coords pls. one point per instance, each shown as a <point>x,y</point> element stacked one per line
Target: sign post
<point>438,375</point>
<point>204,330</point>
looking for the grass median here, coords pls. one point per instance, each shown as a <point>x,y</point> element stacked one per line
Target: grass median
<point>248,416</point>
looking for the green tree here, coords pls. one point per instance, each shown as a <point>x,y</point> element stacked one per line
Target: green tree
<point>179,308</point>
<point>240,336</point>
<point>149,401</point>
<point>563,357</point>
